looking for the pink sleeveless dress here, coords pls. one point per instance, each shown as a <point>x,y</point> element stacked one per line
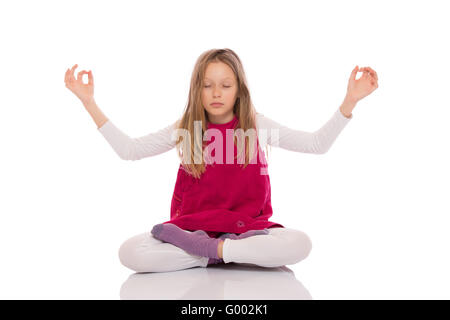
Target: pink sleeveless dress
<point>227,198</point>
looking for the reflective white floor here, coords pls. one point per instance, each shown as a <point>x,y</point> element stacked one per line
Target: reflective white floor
<point>217,282</point>
<point>383,268</point>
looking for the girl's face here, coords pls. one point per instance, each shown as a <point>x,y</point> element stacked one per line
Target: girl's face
<point>220,86</point>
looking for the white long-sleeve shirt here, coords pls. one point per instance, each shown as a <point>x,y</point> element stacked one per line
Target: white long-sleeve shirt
<point>277,135</point>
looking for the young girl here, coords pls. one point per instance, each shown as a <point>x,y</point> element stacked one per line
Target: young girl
<point>221,202</point>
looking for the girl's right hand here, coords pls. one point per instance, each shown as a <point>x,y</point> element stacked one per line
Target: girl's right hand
<point>85,92</point>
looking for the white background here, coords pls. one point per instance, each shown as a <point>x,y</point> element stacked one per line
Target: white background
<point>375,205</point>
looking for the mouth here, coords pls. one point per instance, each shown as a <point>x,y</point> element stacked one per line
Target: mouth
<point>216,104</point>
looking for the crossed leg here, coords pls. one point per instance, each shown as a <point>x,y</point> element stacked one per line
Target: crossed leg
<point>282,246</point>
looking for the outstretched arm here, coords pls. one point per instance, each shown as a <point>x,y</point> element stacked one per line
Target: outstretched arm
<point>321,140</point>
<point>127,148</point>
<point>133,149</point>
<point>317,142</point>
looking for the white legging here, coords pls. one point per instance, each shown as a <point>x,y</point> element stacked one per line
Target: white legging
<point>282,246</point>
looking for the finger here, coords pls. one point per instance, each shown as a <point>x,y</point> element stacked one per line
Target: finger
<point>373,73</point>
<point>364,73</point>
<point>90,78</point>
<point>66,75</point>
<point>363,70</point>
<point>372,78</point>
<point>354,72</point>
<point>374,83</point>
<point>72,76</point>
<point>80,75</point>
<point>368,73</point>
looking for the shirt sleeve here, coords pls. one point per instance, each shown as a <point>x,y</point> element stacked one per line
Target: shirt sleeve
<point>317,142</point>
<point>128,148</point>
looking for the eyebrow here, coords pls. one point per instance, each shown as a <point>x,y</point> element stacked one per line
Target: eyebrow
<point>222,79</point>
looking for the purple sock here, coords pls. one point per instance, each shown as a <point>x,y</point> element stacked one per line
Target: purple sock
<point>249,233</point>
<point>195,243</point>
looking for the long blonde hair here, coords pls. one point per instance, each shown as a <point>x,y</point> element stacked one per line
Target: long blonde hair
<point>194,111</point>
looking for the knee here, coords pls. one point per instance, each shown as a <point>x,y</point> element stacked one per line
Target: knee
<point>128,254</point>
<point>301,246</point>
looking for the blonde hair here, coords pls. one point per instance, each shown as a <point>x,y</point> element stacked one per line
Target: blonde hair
<point>194,111</point>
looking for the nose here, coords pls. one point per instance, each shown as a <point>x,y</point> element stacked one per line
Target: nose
<point>216,93</point>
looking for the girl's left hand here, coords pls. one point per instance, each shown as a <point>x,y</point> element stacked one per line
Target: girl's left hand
<point>365,85</point>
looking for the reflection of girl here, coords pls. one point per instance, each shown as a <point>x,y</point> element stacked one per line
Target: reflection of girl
<point>220,209</point>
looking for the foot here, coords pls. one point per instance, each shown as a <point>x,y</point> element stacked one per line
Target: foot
<point>249,233</point>
<point>196,243</point>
